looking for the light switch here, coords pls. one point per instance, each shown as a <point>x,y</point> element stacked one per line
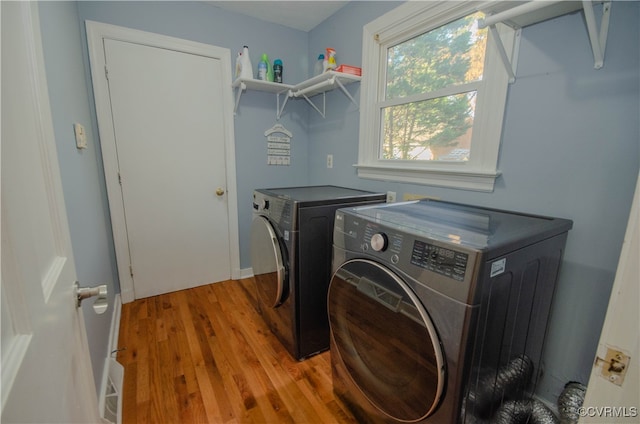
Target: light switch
<point>81,136</point>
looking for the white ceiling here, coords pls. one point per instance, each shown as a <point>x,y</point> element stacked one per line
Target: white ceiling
<point>303,15</point>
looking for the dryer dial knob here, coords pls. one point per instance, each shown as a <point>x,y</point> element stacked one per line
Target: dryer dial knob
<point>379,242</point>
<point>260,204</point>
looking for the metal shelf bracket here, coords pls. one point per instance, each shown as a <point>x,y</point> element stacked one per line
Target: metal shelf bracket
<point>346,93</point>
<point>324,104</point>
<point>597,38</point>
<point>241,87</point>
<point>509,65</point>
<point>280,109</point>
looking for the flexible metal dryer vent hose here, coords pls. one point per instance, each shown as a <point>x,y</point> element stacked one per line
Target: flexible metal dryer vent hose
<point>524,412</point>
<point>493,400</point>
<point>569,402</point>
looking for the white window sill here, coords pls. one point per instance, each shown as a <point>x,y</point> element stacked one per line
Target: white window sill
<point>460,179</point>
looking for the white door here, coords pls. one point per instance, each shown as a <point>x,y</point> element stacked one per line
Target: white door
<point>167,112</point>
<point>609,398</point>
<point>46,370</point>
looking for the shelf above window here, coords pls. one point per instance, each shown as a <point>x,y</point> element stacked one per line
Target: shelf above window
<point>518,15</point>
<point>319,84</point>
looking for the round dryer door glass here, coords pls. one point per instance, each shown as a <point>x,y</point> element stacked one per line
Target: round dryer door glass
<point>267,263</point>
<point>386,340</point>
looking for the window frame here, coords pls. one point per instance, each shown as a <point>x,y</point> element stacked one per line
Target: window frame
<point>399,25</point>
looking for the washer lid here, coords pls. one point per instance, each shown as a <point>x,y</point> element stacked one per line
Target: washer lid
<point>386,340</point>
<point>267,262</point>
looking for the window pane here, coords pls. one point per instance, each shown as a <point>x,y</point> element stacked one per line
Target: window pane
<point>435,130</point>
<point>449,55</point>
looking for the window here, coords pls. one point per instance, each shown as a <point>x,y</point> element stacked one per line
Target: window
<point>433,96</point>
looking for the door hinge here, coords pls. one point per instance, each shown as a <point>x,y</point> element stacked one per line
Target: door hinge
<point>106,72</point>
<point>119,179</point>
<point>131,270</point>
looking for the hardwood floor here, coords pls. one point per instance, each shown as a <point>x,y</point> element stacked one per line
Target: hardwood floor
<point>204,355</point>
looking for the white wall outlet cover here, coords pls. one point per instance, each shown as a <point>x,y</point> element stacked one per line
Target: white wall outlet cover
<point>391,196</point>
<point>81,136</point>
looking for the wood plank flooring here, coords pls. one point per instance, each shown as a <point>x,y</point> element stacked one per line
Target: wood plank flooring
<point>204,355</point>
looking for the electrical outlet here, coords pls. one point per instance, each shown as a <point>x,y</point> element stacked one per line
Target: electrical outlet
<point>391,196</point>
<point>329,161</point>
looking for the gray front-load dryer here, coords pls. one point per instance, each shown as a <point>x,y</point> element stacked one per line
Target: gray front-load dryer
<point>438,311</point>
<point>291,245</point>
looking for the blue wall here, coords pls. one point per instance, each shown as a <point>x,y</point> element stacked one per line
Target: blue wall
<point>256,113</point>
<point>570,141</point>
<point>71,96</point>
<point>570,149</point>
<point>81,170</point>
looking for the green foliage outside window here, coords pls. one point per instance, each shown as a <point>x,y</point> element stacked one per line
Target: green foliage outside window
<point>438,67</point>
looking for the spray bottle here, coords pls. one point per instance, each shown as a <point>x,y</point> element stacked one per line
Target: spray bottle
<point>318,68</point>
<point>246,70</point>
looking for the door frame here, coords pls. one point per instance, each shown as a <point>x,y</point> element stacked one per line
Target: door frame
<point>605,399</point>
<point>96,32</point>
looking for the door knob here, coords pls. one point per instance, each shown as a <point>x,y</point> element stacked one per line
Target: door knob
<point>219,191</point>
<point>100,292</point>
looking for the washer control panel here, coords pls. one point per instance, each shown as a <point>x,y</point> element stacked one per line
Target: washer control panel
<point>444,261</point>
<point>442,266</point>
<point>398,247</point>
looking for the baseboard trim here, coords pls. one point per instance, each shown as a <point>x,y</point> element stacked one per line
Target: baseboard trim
<point>107,371</point>
<point>246,273</point>
<point>115,324</point>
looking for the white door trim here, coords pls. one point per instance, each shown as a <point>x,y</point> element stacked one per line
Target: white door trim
<point>607,400</point>
<point>96,32</point>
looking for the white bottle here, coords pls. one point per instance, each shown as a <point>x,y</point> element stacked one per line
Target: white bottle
<point>246,70</point>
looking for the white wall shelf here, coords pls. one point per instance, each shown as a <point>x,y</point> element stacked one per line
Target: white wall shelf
<point>242,84</point>
<point>319,84</point>
<point>531,12</point>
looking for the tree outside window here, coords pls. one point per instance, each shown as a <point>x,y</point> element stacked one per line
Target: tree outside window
<point>431,94</point>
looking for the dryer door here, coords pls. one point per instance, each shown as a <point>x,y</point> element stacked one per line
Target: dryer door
<point>386,340</point>
<point>267,262</point>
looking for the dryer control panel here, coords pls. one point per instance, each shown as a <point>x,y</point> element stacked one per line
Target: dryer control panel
<point>442,266</point>
<point>278,210</point>
<point>439,259</point>
<point>442,260</point>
